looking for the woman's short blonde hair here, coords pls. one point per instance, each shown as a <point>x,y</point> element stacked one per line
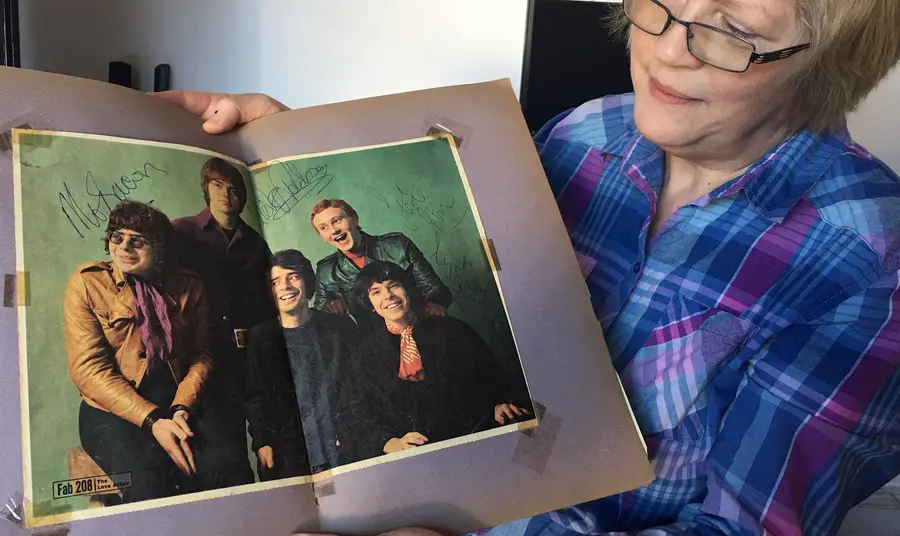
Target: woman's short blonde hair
<point>854,45</point>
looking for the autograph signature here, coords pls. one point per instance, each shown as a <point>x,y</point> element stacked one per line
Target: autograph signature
<point>288,187</point>
<point>459,278</point>
<point>96,209</point>
<point>413,202</point>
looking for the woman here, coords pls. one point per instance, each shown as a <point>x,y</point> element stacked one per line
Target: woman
<point>137,343</point>
<point>418,378</point>
<point>726,199</point>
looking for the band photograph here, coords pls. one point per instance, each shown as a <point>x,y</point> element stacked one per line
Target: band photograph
<point>192,324</point>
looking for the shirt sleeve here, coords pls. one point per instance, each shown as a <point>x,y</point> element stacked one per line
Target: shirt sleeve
<point>813,429</point>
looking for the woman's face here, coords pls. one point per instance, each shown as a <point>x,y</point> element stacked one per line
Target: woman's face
<point>681,102</point>
<point>132,253</point>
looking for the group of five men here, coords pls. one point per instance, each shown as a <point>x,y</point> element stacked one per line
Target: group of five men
<point>375,365</point>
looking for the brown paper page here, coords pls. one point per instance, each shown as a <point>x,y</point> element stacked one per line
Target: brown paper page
<point>587,445</point>
<point>63,167</point>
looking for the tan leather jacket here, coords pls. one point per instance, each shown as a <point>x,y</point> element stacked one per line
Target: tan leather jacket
<point>104,348</point>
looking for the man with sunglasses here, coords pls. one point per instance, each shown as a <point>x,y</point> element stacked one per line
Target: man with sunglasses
<point>230,256</point>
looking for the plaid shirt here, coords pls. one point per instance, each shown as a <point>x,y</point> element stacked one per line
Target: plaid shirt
<point>757,334</point>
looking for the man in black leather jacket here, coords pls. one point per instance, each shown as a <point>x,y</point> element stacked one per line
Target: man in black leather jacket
<point>338,225</point>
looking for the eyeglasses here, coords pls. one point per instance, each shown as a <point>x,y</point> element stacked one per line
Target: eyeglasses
<point>135,242</point>
<point>711,45</point>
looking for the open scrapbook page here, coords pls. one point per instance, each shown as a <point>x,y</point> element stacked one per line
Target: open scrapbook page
<point>300,317</point>
<point>197,321</point>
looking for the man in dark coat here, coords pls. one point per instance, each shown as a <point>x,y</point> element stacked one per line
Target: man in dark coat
<point>232,259</point>
<point>295,365</point>
<point>420,379</point>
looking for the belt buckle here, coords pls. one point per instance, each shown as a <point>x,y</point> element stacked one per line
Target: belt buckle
<point>240,337</point>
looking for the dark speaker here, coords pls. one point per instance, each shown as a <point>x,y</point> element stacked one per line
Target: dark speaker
<point>570,58</point>
<point>162,77</point>
<point>120,73</point>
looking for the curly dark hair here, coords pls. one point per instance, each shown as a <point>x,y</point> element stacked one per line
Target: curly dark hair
<point>291,259</point>
<point>379,272</point>
<point>141,218</point>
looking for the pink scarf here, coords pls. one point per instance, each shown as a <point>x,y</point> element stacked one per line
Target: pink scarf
<point>410,361</point>
<point>153,321</point>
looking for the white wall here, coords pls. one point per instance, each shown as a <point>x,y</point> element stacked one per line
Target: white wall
<point>307,52</point>
<point>302,52</point>
<point>876,124</point>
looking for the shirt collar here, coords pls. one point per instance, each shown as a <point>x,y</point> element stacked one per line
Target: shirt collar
<point>773,184</point>
<point>117,274</point>
<point>206,221</point>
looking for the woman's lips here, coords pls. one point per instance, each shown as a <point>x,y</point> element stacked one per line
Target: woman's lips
<point>669,95</point>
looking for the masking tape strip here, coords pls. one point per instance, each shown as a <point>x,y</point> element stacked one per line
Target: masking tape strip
<point>33,120</point>
<point>536,444</point>
<point>14,510</point>
<point>437,125</point>
<point>9,290</point>
<point>492,254</point>
<point>22,286</point>
<point>324,489</point>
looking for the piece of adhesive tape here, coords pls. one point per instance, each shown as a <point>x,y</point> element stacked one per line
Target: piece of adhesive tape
<point>9,290</point>
<point>492,253</point>
<point>324,489</point>
<point>536,444</point>
<point>438,125</point>
<point>14,510</point>
<point>15,289</point>
<point>30,121</point>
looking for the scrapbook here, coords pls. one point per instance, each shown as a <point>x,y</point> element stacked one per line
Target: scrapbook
<point>356,316</point>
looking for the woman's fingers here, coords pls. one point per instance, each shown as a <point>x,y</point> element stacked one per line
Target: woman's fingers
<point>223,111</point>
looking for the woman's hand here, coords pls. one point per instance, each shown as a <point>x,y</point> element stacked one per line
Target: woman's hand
<point>410,440</point>
<point>266,456</point>
<point>223,111</point>
<point>173,439</point>
<point>507,411</point>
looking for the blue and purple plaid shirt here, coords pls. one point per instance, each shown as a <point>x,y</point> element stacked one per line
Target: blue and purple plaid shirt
<point>757,334</point>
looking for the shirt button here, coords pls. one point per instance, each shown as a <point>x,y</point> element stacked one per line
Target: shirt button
<point>637,267</point>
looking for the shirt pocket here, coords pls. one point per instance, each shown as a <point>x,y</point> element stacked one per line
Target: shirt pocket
<point>117,323</point>
<point>670,375</point>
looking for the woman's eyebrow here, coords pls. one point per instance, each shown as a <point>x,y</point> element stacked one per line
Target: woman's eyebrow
<point>756,8</point>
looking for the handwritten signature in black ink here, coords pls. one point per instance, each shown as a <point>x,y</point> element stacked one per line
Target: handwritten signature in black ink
<point>84,215</point>
<point>460,278</point>
<point>379,196</point>
<point>288,186</point>
<point>412,201</point>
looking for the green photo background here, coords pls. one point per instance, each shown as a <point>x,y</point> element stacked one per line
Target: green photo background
<point>70,172</point>
<point>414,188</point>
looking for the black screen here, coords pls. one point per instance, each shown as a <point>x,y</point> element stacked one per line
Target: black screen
<point>570,58</point>
<point>9,33</point>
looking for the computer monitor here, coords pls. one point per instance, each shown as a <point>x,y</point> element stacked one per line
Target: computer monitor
<point>9,33</point>
<point>570,58</point>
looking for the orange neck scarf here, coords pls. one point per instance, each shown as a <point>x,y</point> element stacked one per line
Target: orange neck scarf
<point>410,361</point>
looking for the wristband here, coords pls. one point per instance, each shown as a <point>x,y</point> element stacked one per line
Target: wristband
<point>152,417</point>
<point>178,407</point>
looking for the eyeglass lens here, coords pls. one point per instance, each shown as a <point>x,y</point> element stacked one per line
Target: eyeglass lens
<point>707,44</point>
